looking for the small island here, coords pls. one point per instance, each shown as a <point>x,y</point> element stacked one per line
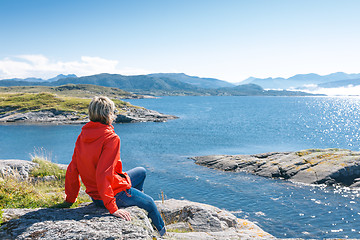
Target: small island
<point>67,105</point>
<point>313,166</point>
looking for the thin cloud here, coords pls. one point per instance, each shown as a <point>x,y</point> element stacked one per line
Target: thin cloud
<point>39,66</point>
<point>349,90</point>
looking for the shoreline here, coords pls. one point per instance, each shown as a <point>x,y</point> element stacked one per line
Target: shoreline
<point>50,117</point>
<point>50,108</point>
<point>331,167</point>
<point>184,219</point>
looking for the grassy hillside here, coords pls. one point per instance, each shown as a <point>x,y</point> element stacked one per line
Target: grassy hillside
<point>24,102</point>
<point>71,90</point>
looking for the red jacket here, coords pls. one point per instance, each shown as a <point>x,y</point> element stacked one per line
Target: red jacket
<point>96,159</point>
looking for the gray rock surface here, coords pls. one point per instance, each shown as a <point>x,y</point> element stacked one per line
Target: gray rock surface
<point>313,166</point>
<point>21,169</point>
<point>16,167</point>
<point>58,117</point>
<point>51,117</point>
<point>191,220</point>
<point>142,115</point>
<point>184,220</point>
<point>88,222</point>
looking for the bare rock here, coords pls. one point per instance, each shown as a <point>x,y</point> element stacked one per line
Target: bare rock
<point>22,168</point>
<point>313,166</point>
<point>46,116</point>
<point>184,220</point>
<point>142,115</point>
<point>17,168</point>
<point>131,115</point>
<point>356,183</point>
<point>191,220</point>
<point>88,222</point>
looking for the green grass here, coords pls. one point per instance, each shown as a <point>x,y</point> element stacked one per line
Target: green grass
<point>1,213</point>
<point>24,194</point>
<point>15,193</point>
<point>71,90</point>
<point>26,102</point>
<point>47,168</point>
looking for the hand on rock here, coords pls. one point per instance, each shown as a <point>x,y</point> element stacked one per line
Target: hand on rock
<point>122,214</point>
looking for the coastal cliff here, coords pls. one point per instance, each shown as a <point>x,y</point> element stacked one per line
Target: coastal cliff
<point>312,166</point>
<point>184,219</point>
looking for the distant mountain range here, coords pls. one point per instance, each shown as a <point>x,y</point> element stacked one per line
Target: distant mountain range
<point>156,84</point>
<point>60,76</point>
<point>196,81</point>
<point>338,79</point>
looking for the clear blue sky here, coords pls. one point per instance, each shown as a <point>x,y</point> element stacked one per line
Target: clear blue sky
<point>226,39</point>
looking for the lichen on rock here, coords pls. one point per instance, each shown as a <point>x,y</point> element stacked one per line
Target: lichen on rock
<point>312,166</point>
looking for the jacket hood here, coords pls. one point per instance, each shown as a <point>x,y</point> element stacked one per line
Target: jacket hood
<point>94,130</point>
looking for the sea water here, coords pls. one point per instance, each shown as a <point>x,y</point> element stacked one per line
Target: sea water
<point>228,125</point>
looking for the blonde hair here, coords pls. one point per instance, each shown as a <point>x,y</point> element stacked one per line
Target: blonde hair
<point>101,109</point>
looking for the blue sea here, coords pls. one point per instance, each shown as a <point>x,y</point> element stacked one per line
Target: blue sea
<point>228,125</point>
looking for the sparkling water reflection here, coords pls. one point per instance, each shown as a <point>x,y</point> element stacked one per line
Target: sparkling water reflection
<point>229,125</point>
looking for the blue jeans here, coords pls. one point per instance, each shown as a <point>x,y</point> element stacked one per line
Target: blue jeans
<point>135,197</point>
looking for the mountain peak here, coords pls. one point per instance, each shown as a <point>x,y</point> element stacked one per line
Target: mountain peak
<point>208,83</point>
<point>60,76</point>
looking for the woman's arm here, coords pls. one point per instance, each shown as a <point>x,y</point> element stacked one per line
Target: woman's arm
<point>105,171</point>
<point>72,181</point>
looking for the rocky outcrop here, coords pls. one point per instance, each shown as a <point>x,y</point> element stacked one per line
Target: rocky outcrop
<point>59,117</point>
<point>87,222</point>
<point>313,166</point>
<point>184,220</point>
<point>142,115</point>
<point>191,220</point>
<point>21,169</point>
<point>50,117</point>
<point>16,167</point>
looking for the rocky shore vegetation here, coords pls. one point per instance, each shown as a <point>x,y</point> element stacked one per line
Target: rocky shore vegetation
<point>31,201</point>
<point>74,90</point>
<point>50,108</point>
<point>313,166</point>
<point>33,184</point>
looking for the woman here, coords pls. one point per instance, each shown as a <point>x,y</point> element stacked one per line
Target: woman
<point>96,160</point>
